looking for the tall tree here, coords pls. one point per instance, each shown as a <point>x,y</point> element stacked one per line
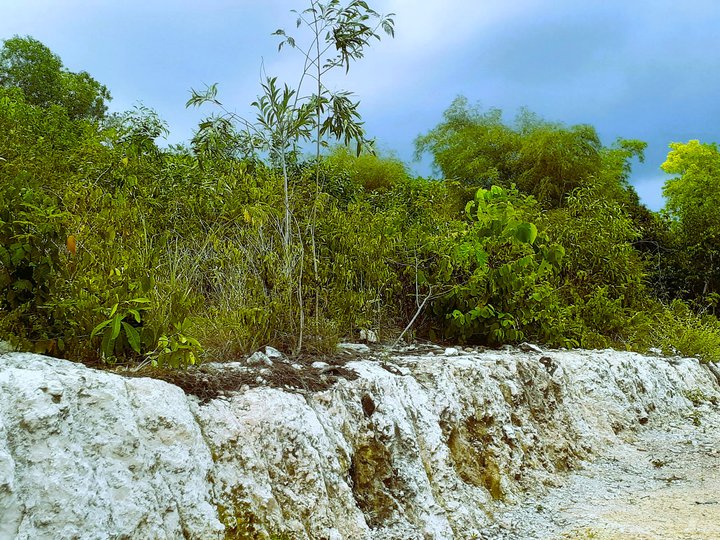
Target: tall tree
<point>693,199</point>
<point>27,64</point>
<point>545,159</point>
<point>289,116</point>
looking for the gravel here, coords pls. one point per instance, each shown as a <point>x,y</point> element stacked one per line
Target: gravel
<point>661,482</point>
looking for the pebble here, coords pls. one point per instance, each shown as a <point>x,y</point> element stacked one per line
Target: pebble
<point>273,353</point>
<point>258,359</point>
<point>354,347</point>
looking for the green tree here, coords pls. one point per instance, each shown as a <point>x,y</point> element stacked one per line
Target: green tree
<point>475,148</point>
<point>27,64</point>
<point>544,159</point>
<point>692,202</point>
<point>289,116</point>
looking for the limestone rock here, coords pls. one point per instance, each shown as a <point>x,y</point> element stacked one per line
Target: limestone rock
<point>529,347</point>
<point>273,354</point>
<point>258,359</point>
<point>360,348</point>
<point>87,454</point>
<point>368,336</point>
<point>428,452</point>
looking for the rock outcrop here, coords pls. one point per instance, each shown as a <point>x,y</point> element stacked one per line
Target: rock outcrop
<point>417,447</point>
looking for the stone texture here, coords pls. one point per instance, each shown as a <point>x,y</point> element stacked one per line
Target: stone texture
<point>87,454</point>
<point>273,354</point>
<point>258,359</point>
<point>359,348</point>
<point>369,336</point>
<point>428,451</point>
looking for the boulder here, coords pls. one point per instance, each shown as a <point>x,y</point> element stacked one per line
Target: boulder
<point>359,348</point>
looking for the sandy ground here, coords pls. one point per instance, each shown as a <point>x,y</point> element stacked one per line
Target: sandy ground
<point>662,482</point>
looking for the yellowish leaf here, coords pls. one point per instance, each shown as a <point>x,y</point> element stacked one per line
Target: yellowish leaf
<point>71,244</point>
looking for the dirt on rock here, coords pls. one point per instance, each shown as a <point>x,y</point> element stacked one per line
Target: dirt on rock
<point>660,483</point>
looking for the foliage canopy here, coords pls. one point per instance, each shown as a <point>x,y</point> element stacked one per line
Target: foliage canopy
<point>27,64</point>
<point>114,249</point>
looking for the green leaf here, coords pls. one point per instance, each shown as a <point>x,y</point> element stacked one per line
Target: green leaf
<point>107,345</point>
<point>544,266</point>
<point>133,336</point>
<point>23,285</point>
<point>115,327</point>
<point>99,327</point>
<point>481,257</point>
<point>526,233</point>
<point>555,254</point>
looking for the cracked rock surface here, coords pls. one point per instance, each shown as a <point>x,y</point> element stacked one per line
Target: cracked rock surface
<point>419,446</point>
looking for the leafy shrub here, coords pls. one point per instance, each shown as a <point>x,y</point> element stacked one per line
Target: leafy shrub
<point>499,272</point>
<point>114,249</point>
<point>677,330</point>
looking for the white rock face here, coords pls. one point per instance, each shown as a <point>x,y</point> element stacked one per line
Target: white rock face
<point>86,454</point>
<point>424,453</point>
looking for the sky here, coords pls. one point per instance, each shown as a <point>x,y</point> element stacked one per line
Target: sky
<point>637,69</point>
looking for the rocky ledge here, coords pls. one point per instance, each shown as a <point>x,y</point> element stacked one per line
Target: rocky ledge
<point>416,446</point>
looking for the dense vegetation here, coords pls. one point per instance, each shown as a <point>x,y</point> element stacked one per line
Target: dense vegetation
<point>113,248</point>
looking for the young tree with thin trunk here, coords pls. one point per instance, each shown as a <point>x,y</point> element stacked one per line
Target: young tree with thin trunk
<point>335,35</point>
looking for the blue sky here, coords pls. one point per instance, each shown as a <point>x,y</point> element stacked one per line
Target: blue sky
<point>646,69</point>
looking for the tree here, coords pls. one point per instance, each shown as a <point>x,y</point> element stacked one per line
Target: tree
<point>545,159</point>
<point>692,202</point>
<point>27,64</point>
<point>472,147</point>
<point>288,116</point>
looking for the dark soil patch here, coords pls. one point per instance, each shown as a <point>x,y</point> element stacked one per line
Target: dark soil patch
<point>209,383</point>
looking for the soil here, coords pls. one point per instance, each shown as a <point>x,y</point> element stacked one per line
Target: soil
<point>294,373</point>
<point>207,383</point>
<point>659,483</point>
